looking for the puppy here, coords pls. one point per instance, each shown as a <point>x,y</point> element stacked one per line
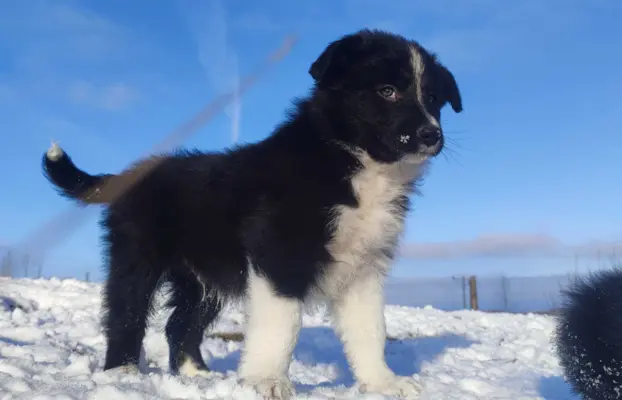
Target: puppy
<point>315,209</point>
<point>588,338</point>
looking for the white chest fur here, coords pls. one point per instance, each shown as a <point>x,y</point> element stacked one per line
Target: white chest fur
<point>364,233</point>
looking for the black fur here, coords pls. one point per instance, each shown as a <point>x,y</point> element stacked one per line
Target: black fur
<point>70,181</point>
<point>198,217</point>
<point>588,337</point>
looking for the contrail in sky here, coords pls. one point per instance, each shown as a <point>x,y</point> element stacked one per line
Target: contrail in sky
<point>207,20</point>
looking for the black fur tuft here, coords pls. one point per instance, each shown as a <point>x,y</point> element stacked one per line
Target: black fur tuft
<point>588,337</point>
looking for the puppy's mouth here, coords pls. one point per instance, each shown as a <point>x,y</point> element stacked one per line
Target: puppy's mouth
<point>423,149</point>
<point>423,154</point>
<point>430,151</point>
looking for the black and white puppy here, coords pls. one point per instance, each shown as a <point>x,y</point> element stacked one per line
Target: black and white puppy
<point>315,209</point>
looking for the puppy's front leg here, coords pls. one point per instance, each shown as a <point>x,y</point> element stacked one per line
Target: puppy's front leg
<point>272,329</point>
<point>359,317</point>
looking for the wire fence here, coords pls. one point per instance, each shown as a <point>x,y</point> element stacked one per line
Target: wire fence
<point>494,293</point>
<point>16,264</point>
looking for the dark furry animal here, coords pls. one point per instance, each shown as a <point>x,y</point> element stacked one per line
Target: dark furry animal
<point>315,209</point>
<point>588,337</point>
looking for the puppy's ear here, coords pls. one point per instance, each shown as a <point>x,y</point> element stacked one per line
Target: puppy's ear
<point>450,88</point>
<point>330,67</point>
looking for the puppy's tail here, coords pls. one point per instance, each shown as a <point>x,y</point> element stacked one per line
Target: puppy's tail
<point>70,181</point>
<point>588,338</point>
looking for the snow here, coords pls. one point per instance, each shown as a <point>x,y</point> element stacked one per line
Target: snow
<point>51,347</point>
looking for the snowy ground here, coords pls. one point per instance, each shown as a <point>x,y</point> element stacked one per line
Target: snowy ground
<point>51,348</point>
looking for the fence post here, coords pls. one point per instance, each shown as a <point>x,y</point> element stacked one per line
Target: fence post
<point>504,287</point>
<point>87,276</point>
<point>473,292</point>
<point>7,264</point>
<point>464,296</point>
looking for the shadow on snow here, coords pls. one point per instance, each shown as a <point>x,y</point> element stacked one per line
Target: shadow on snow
<point>320,345</point>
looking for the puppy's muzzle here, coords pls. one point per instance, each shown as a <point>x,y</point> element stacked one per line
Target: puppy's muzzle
<point>430,136</point>
<point>430,140</point>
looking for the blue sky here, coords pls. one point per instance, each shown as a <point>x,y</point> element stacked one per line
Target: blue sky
<point>533,171</point>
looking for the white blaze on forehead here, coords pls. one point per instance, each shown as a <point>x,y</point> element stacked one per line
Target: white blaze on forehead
<point>419,67</point>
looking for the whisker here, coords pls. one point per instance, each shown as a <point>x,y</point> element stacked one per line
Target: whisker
<point>450,154</point>
<point>458,142</point>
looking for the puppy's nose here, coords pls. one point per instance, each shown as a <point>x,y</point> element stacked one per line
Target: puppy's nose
<point>429,135</point>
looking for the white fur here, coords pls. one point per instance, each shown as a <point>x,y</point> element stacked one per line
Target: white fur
<point>359,317</point>
<point>363,232</point>
<point>354,282</point>
<point>273,324</point>
<point>419,67</point>
<point>360,323</point>
<point>54,153</point>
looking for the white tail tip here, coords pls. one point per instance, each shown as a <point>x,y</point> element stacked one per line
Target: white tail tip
<point>54,153</point>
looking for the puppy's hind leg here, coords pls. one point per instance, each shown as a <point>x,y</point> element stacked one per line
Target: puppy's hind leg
<point>196,307</point>
<point>272,330</point>
<point>126,303</point>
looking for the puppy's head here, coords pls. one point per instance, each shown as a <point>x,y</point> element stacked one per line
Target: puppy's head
<point>389,92</point>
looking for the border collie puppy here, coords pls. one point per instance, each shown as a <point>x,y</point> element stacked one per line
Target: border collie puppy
<point>588,338</point>
<point>316,209</point>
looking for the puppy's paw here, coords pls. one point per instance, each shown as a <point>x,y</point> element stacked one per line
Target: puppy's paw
<point>391,385</point>
<point>273,388</point>
<point>191,369</point>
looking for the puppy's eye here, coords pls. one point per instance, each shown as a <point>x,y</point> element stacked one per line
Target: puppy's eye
<point>432,97</point>
<point>388,92</point>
